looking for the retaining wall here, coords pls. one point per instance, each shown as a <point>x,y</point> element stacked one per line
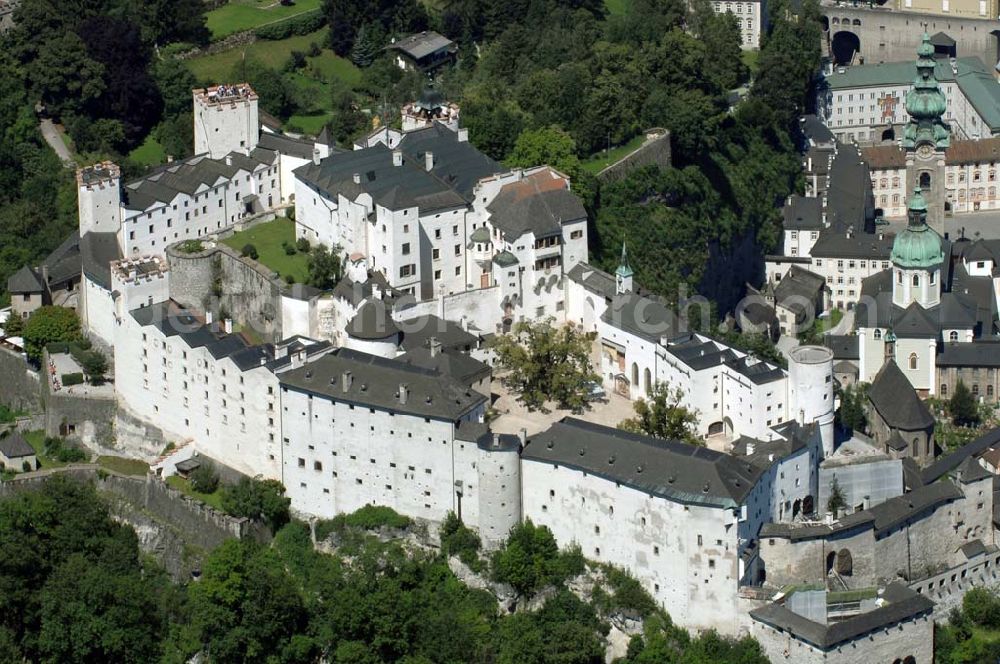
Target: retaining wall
<point>655,151</point>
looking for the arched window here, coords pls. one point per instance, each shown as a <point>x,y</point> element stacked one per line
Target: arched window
<point>899,276</point>
<point>883,199</point>
<point>878,333</point>
<point>647,381</point>
<point>913,361</point>
<point>635,374</point>
<point>953,335</point>
<point>925,180</point>
<point>916,280</point>
<point>895,182</point>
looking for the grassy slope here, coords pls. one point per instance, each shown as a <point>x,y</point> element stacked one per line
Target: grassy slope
<point>267,238</point>
<point>150,153</point>
<point>240,15</point>
<point>182,485</point>
<point>599,161</point>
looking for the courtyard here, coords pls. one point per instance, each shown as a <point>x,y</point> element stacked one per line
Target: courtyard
<point>270,239</point>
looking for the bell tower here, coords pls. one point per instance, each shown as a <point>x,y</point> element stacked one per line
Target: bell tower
<point>927,136</point>
<point>623,274</point>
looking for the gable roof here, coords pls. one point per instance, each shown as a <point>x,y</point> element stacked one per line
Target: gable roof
<point>422,44</point>
<point>896,401</point>
<point>669,469</point>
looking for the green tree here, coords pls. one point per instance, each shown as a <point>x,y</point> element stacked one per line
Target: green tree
<point>204,478</point>
<point>366,45</point>
<point>546,146</point>
<point>531,560</point>
<point>544,362</point>
<point>258,499</point>
<point>851,414</point>
<point>982,607</point>
<point>325,268</point>
<point>50,324</point>
<point>962,407</point>
<point>664,416</point>
<point>14,326</point>
<point>836,502</point>
<point>94,364</point>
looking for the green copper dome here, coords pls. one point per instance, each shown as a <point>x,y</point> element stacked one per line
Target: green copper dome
<point>918,246</point>
<point>926,103</point>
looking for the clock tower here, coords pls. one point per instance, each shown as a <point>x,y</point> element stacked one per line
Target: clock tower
<point>926,136</point>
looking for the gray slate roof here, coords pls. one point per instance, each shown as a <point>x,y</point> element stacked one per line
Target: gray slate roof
<point>375,383</point>
<point>896,401</point>
<point>901,604</point>
<point>14,446</point>
<point>460,366</point>
<point>844,346</point>
<point>803,213</point>
<point>798,290</point>
<point>669,469</point>
<point>458,166</point>
<point>65,263</point>
<point>373,322</point>
<point>417,332</point>
<point>97,251</point>
<point>24,281</point>
<point>643,316</point>
<point>422,44</point>
<point>295,147</point>
<point>980,353</point>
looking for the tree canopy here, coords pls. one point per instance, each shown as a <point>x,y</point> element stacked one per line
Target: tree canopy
<point>664,416</point>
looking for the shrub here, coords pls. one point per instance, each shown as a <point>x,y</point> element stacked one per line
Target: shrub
<point>314,50</point>
<point>69,379</point>
<point>459,540</point>
<point>302,245</point>
<point>191,246</point>
<point>530,560</point>
<point>258,499</point>
<point>289,248</point>
<point>289,279</point>
<point>204,478</point>
<point>249,250</point>
<point>296,60</point>
<point>369,517</point>
<point>26,467</point>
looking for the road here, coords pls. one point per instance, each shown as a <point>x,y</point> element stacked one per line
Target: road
<point>55,141</point>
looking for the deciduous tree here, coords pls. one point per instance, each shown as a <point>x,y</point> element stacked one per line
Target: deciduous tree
<point>664,416</point>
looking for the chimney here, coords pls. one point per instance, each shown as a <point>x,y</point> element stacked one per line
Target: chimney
<point>208,318</point>
<point>435,346</point>
<point>496,441</point>
<point>522,435</point>
<point>357,178</point>
<point>404,392</point>
<point>227,325</point>
<point>170,158</point>
<point>316,157</point>
<point>463,135</point>
<point>346,380</point>
<point>428,161</point>
<point>751,447</point>
<point>229,160</point>
<point>802,416</point>
<point>397,157</point>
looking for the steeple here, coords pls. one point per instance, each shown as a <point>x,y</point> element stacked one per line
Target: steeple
<point>918,245</point>
<point>926,103</point>
<point>624,273</point>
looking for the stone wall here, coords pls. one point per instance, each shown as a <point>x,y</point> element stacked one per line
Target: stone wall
<point>244,288</point>
<point>20,386</point>
<point>948,588</point>
<point>479,308</point>
<point>655,151</point>
<point>892,36</point>
<point>86,419</point>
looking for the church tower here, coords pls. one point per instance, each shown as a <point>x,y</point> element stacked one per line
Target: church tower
<point>926,136</point>
<point>917,259</point>
<point>623,274</point>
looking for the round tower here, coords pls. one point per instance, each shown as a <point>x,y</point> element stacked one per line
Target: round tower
<point>810,390</point>
<point>373,331</point>
<point>917,258</point>
<point>99,198</point>
<point>499,470</point>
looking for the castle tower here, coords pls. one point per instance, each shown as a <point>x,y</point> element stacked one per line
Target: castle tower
<point>225,120</point>
<point>926,136</point>
<point>431,107</point>
<point>99,198</point>
<point>623,274</point>
<point>810,390</point>
<point>499,471</point>
<point>917,256</point>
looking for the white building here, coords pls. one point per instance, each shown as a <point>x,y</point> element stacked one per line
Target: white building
<point>360,429</point>
<point>865,103</point>
<point>751,15</point>
<point>680,518</point>
<point>201,384</point>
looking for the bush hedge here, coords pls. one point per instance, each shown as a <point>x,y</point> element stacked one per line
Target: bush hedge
<point>72,379</point>
<point>300,24</point>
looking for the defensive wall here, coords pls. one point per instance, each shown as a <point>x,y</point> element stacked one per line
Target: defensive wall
<point>20,385</point>
<point>655,151</point>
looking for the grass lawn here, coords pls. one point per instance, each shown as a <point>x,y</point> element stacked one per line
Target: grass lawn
<point>218,67</point>
<point>310,124</point>
<point>124,466</point>
<point>240,15</point>
<point>601,160</point>
<point>150,153</point>
<point>328,66</point>
<point>750,60</point>
<point>616,7</point>
<point>37,440</point>
<point>267,238</point>
<point>184,486</point>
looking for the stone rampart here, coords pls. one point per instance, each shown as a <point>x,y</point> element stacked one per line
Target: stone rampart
<point>655,151</point>
<point>20,386</point>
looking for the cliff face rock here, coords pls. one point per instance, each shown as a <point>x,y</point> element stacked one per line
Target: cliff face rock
<point>161,541</point>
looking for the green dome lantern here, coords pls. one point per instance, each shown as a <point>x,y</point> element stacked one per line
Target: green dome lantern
<point>926,103</point>
<point>918,246</point>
